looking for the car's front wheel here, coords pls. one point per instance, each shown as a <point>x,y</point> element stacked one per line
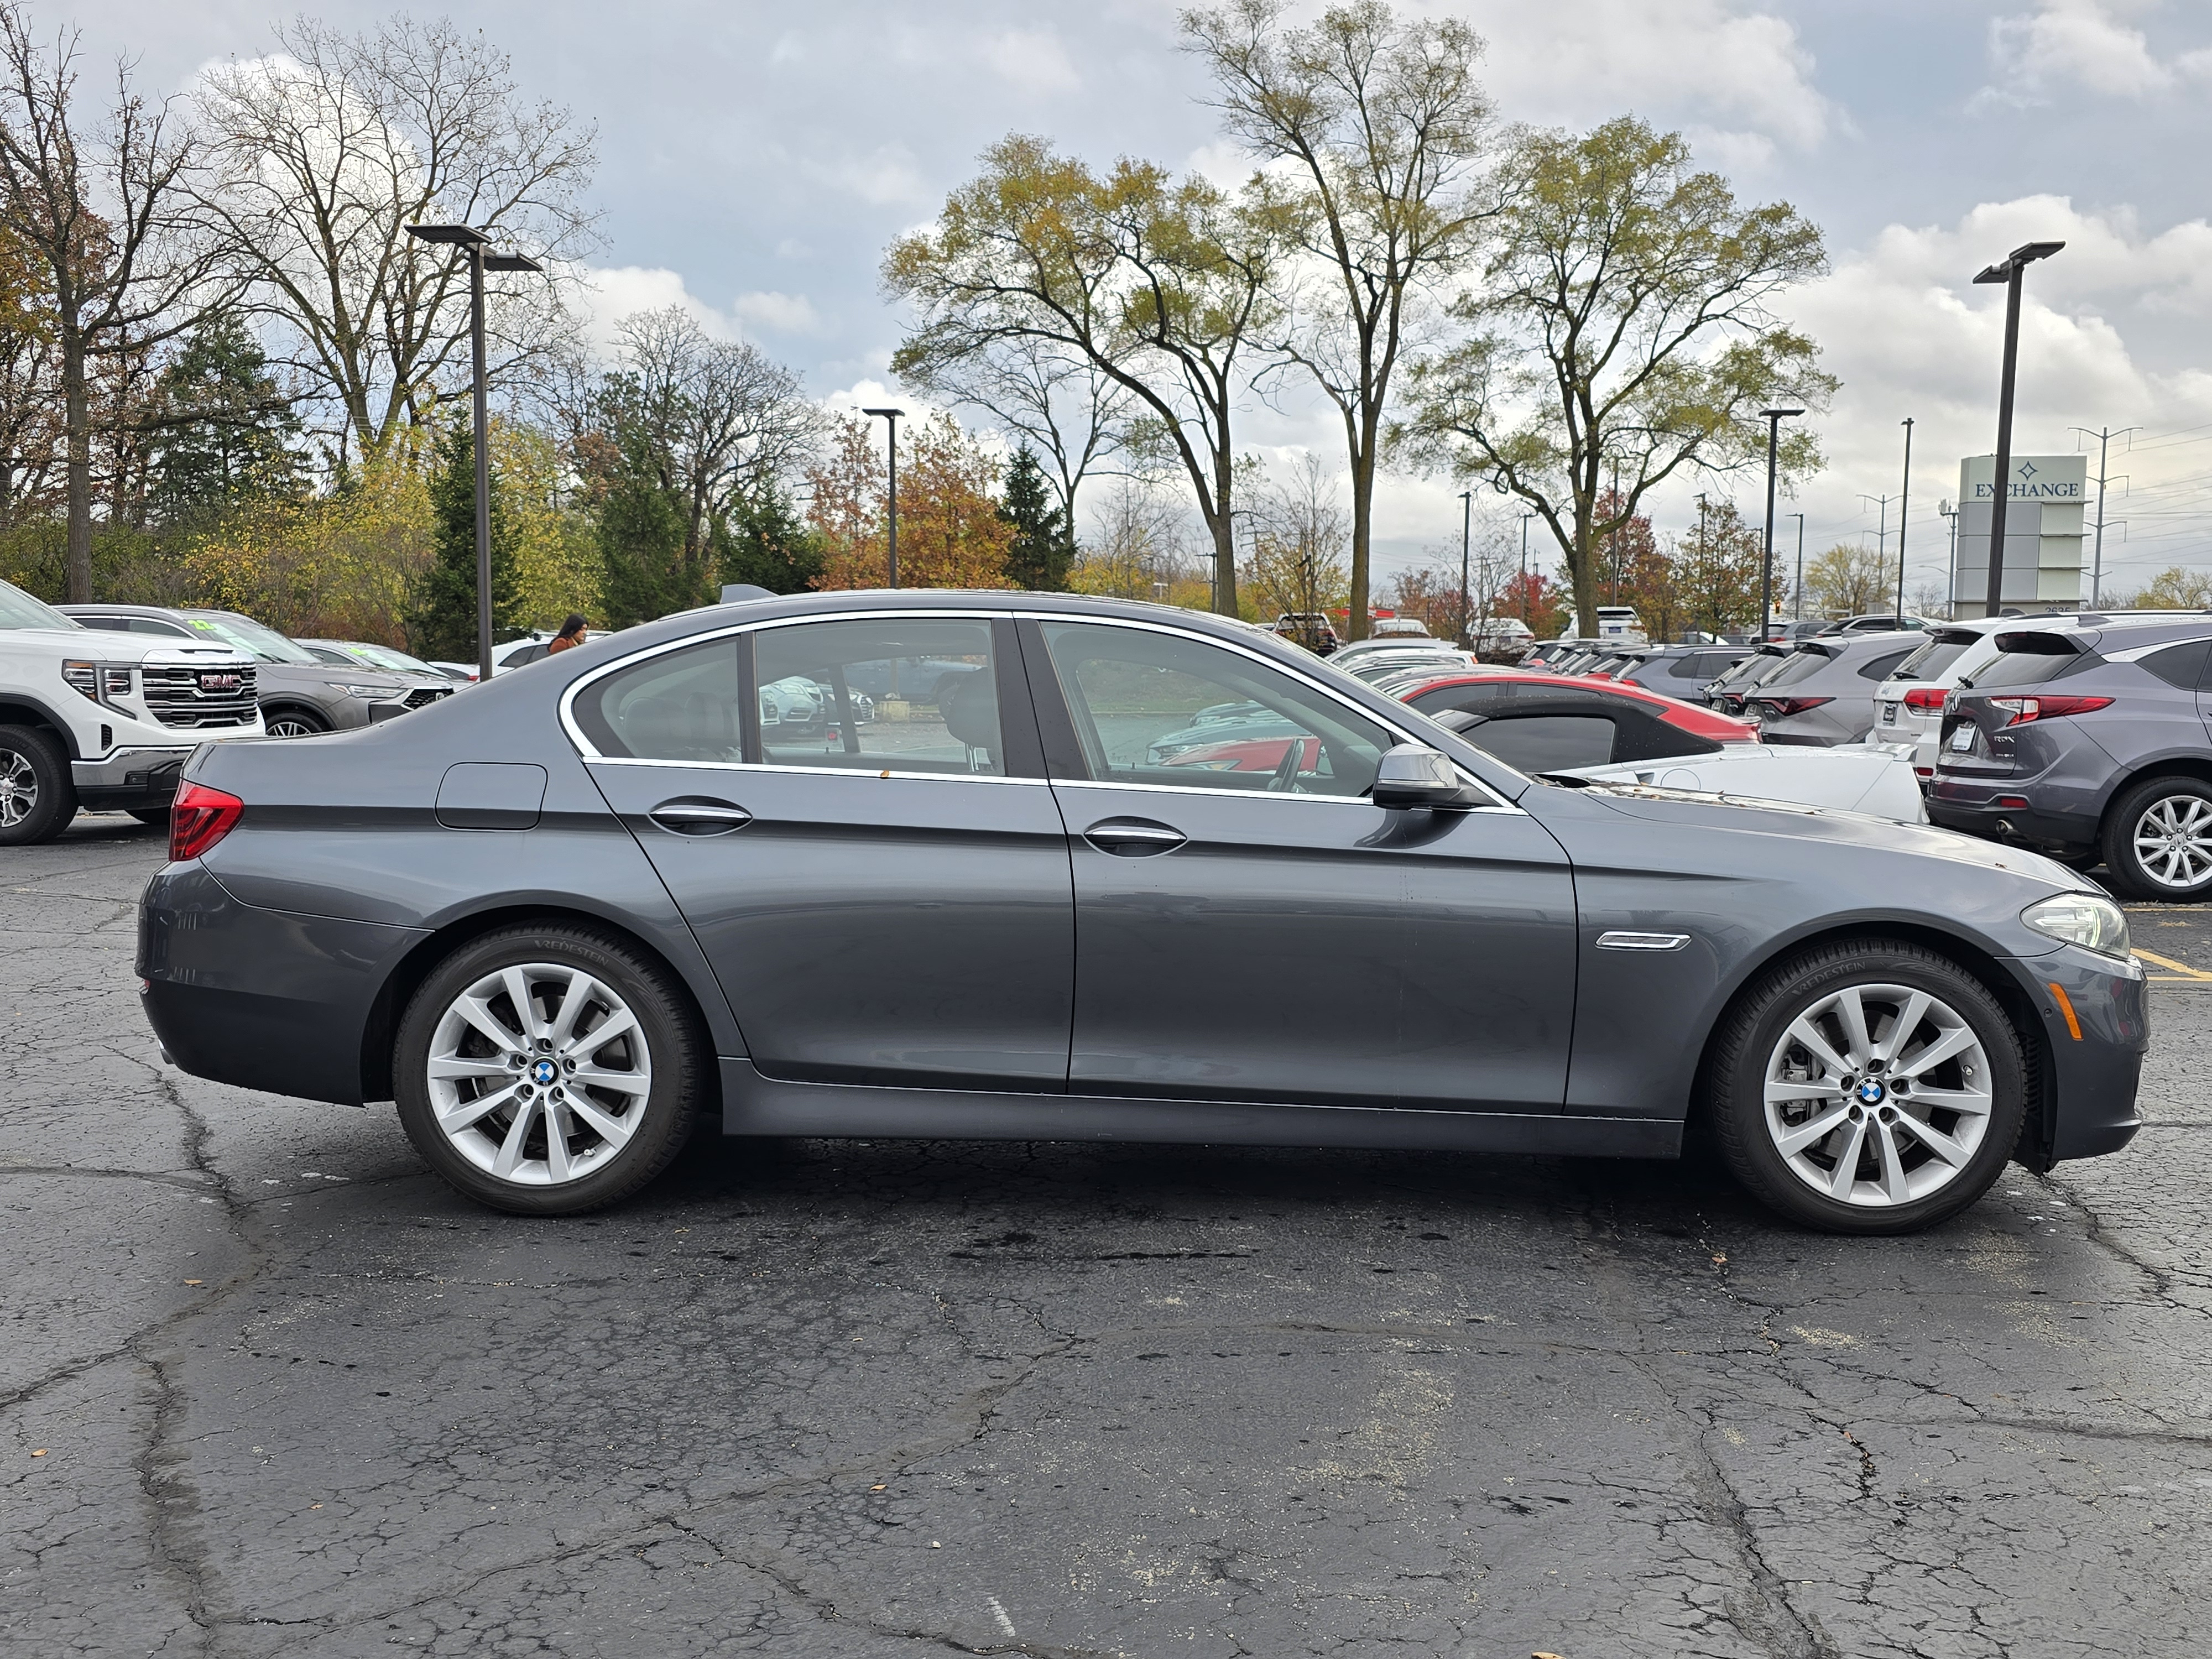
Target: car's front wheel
<point>295,723</point>
<point>548,1070</point>
<point>37,797</point>
<point>1870,1087</point>
<point>2158,839</point>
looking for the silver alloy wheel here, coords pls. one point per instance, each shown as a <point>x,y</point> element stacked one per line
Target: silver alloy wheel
<point>538,1074</point>
<point>18,787</point>
<point>1878,1095</point>
<point>291,726</point>
<point>2173,841</point>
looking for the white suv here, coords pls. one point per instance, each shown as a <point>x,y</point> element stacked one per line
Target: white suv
<point>104,720</point>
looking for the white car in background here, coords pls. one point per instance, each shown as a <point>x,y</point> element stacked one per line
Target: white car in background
<point>1874,778</point>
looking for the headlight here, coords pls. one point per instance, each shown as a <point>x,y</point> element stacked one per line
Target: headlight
<point>2084,919</point>
<point>353,689</point>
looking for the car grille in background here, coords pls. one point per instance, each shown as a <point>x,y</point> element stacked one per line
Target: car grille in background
<point>422,694</point>
<point>181,694</point>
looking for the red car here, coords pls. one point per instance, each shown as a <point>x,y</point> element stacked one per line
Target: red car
<point>1542,722</point>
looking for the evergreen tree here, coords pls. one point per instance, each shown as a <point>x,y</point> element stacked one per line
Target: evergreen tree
<point>442,620</point>
<point>223,426</point>
<point>1043,549</point>
<point>764,542</point>
<point>641,533</point>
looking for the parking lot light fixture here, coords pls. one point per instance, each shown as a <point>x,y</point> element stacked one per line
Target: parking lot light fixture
<point>474,243</point>
<point>890,563</point>
<point>2007,271</point>
<point>1774,418</point>
<point>1465,524</point>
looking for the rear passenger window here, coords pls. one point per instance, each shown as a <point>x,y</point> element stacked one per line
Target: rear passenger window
<point>2181,664</point>
<point>907,694</point>
<point>681,707</point>
<point>1545,743</point>
<point>1878,668</point>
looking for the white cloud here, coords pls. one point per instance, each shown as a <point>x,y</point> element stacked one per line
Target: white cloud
<point>1739,75</point>
<point>613,293</point>
<point>2086,41</point>
<point>1032,60</point>
<point>886,176</point>
<point>773,312</point>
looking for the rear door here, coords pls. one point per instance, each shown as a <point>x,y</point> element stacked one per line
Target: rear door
<point>884,893</point>
<point>1250,926</point>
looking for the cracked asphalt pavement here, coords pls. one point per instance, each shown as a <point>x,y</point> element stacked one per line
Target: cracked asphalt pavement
<point>271,1388</point>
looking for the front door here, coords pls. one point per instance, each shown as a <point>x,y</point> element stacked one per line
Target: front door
<point>880,884</point>
<point>1250,926</point>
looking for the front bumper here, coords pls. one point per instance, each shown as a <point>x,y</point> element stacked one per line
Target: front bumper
<point>262,998</point>
<point>130,777</point>
<point>2096,1056</point>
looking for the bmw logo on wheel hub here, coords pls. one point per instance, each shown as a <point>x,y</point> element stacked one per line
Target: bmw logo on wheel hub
<point>1870,1092</point>
<point>543,1073</point>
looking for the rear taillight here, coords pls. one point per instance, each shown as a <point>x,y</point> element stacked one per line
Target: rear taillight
<point>2020,710</point>
<point>1784,707</point>
<point>1929,699</point>
<point>199,818</point>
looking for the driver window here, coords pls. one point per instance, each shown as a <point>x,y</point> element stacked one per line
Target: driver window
<point>1159,710</point>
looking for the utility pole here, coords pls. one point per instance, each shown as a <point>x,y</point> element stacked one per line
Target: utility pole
<point>1903,515</point>
<point>1466,526</point>
<point>1525,517</point>
<point>890,418</point>
<point>1882,535</point>
<point>1951,513</point>
<point>2007,271</point>
<point>2104,436</point>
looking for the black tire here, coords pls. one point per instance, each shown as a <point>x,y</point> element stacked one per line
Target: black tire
<point>2175,798</point>
<point>296,722</point>
<point>38,798</point>
<point>1752,1033</point>
<point>674,1051</point>
<point>156,816</point>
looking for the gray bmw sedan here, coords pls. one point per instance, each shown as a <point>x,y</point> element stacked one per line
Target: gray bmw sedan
<point>560,918</point>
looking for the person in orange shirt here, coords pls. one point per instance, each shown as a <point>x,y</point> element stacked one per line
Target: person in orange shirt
<point>572,632</point>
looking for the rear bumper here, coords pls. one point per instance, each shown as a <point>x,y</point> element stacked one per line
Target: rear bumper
<point>262,998</point>
<point>2097,1057</point>
<point>1970,805</point>
<point>130,777</point>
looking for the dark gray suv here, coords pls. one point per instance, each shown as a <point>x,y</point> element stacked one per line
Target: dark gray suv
<point>2090,742</point>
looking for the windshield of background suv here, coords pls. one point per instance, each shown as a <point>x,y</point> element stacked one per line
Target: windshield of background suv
<point>2026,660</point>
<point>248,635</point>
<point>19,610</point>
<point>383,656</point>
<point>1798,666</point>
<point>1931,658</point>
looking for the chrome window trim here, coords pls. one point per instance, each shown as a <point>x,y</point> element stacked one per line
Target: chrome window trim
<point>1265,661</point>
<point>2137,653</point>
<point>860,772</point>
<point>1179,789</point>
<point>585,748</point>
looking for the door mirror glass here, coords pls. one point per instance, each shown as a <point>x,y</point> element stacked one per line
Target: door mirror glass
<point>1414,776</point>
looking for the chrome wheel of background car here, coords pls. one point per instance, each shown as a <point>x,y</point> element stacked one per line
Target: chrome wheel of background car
<point>2173,841</point>
<point>538,1073</point>
<point>291,726</point>
<point>19,788</point>
<point>1878,1095</point>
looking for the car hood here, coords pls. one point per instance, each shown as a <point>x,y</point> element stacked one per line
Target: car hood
<point>1744,816</point>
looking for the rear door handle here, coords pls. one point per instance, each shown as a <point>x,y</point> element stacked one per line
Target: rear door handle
<point>699,817</point>
<point>1133,837</point>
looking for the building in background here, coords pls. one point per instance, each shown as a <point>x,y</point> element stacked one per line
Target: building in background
<point>2044,530</point>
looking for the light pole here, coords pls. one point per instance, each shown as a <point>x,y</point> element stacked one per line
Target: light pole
<point>1944,508</point>
<point>891,420</point>
<point>1525,517</point>
<point>1466,528</point>
<point>2007,271</point>
<point>1904,516</point>
<point>1798,591</point>
<point>1774,420</point>
<point>473,243</point>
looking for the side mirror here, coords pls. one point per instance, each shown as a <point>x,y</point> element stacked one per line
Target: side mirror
<point>1414,777</point>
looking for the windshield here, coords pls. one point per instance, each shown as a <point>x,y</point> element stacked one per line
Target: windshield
<point>247,635</point>
<point>1931,658</point>
<point>19,610</point>
<point>1797,666</point>
<point>383,656</point>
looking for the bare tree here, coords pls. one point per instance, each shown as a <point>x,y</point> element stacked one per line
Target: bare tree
<point>1072,412</point>
<point>717,417</point>
<point>1137,542</point>
<point>1381,127</point>
<point>323,154</point>
<point>1298,547</point>
<point>107,216</point>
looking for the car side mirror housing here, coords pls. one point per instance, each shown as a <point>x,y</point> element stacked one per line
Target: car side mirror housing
<point>1414,777</point>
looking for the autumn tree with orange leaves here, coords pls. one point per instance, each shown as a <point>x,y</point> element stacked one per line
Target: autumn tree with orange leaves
<point>950,531</point>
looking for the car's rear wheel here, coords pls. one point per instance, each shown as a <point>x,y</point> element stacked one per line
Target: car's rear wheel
<point>2158,839</point>
<point>293,723</point>
<point>38,798</point>
<point>548,1070</point>
<point>1870,1087</point>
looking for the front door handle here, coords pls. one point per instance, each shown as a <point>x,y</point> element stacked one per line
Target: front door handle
<point>1133,837</point>
<point>699,817</point>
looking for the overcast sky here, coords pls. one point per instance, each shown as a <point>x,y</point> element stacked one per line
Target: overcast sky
<point>754,160</point>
